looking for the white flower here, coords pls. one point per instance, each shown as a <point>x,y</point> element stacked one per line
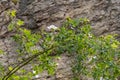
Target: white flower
<point>57,64</point>
<point>90,59</point>
<point>33,72</point>
<point>94,57</point>
<point>36,76</point>
<point>90,36</point>
<point>101,78</point>
<point>52,27</point>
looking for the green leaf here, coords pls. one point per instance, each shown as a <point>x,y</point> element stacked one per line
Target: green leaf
<point>10,68</point>
<point>1,68</point>
<point>51,70</point>
<point>24,78</point>
<point>1,51</point>
<point>20,22</point>
<point>27,32</point>
<point>16,77</point>
<point>114,45</point>
<point>13,13</point>
<point>11,26</point>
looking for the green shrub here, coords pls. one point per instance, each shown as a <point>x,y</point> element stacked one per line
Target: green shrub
<point>96,57</point>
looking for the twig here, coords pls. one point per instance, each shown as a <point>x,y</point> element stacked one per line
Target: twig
<point>23,63</point>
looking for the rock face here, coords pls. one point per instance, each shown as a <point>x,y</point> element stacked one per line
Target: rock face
<point>103,14</point>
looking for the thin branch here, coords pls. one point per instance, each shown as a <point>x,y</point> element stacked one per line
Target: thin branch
<point>23,63</point>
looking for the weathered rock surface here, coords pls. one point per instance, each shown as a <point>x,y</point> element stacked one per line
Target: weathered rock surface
<point>103,14</point>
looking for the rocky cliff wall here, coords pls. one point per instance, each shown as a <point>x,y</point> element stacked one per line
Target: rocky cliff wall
<point>103,14</point>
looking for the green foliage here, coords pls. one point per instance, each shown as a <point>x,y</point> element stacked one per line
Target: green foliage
<point>12,13</point>
<point>1,51</point>
<point>20,22</point>
<point>96,57</point>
